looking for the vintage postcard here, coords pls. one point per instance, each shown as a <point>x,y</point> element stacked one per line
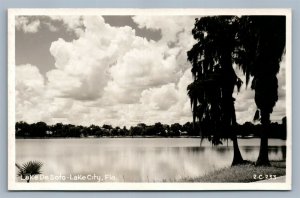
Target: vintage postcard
<point>149,99</point>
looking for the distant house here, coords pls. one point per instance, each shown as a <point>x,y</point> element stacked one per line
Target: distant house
<point>183,132</point>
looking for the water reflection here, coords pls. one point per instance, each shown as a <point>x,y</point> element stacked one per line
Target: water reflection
<point>137,159</point>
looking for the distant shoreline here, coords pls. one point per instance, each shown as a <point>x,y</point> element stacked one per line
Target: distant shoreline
<point>42,130</point>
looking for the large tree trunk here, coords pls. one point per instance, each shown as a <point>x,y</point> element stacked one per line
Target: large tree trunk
<point>229,79</point>
<point>263,157</point>
<point>237,157</point>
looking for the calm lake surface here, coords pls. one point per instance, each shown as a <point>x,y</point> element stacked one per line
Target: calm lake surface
<point>134,159</point>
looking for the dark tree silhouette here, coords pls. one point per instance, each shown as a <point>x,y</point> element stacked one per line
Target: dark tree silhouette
<point>22,129</point>
<point>262,42</point>
<point>214,79</point>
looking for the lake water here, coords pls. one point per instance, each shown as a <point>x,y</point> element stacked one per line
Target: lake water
<point>134,159</point>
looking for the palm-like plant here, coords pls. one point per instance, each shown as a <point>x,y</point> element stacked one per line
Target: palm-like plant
<point>29,169</point>
<point>262,42</point>
<point>214,79</point>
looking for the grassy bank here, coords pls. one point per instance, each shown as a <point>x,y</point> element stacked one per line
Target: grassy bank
<point>242,173</point>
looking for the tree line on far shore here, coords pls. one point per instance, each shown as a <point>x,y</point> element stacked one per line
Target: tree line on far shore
<point>60,130</point>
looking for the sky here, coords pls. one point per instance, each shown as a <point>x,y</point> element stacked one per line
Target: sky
<point>118,70</point>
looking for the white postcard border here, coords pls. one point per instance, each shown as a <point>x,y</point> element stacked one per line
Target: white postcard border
<point>13,185</point>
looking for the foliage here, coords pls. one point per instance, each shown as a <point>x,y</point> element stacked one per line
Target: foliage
<point>256,44</point>
<point>241,173</point>
<point>262,42</point>
<point>29,169</point>
<point>59,130</point>
<point>214,77</point>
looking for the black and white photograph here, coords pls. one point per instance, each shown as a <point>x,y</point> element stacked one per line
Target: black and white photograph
<point>149,99</point>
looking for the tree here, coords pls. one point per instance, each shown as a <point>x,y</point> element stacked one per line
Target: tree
<point>115,131</point>
<point>176,128</point>
<point>125,131</point>
<point>93,129</point>
<point>57,129</point>
<point>214,79</point>
<point>150,131</point>
<point>262,42</point>
<point>41,129</point>
<point>136,131</point>
<point>74,131</point>
<point>22,129</point>
<point>187,128</point>
<point>159,129</point>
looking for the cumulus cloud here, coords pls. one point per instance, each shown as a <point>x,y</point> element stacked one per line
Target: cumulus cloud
<point>72,23</point>
<point>279,110</point>
<point>26,25</point>
<point>29,89</point>
<point>172,27</point>
<point>110,75</point>
<point>140,69</point>
<point>87,59</point>
<point>32,24</point>
<point>153,97</point>
<point>51,27</point>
